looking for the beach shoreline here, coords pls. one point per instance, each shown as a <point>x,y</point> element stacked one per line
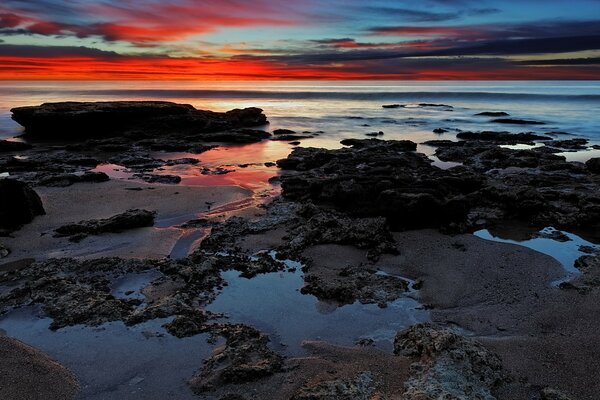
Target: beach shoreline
<point>363,231</point>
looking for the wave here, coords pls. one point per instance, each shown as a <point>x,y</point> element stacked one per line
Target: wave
<point>324,95</point>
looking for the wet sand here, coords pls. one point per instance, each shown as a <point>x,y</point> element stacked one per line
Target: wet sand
<point>28,374</point>
<point>174,205</point>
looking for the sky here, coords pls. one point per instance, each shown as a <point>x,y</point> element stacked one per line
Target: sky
<point>301,39</point>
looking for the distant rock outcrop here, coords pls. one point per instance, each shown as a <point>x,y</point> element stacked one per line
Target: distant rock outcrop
<point>134,118</point>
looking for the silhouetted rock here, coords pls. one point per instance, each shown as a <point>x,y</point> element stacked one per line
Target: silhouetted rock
<point>136,118</point>
<point>19,204</point>
<point>493,114</point>
<point>514,121</point>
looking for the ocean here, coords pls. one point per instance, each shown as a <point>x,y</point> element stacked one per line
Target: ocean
<point>348,109</point>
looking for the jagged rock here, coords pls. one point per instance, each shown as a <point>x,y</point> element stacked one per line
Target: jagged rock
<point>19,204</point>
<point>245,357</point>
<point>447,365</point>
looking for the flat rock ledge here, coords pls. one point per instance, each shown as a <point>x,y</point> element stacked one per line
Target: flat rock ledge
<point>138,118</point>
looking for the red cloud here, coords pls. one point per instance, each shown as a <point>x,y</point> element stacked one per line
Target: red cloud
<point>26,68</point>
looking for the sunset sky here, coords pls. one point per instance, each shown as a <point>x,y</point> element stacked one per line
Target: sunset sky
<point>302,39</point>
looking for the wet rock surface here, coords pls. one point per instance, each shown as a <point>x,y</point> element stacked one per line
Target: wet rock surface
<point>130,219</point>
<point>384,178</point>
<point>19,204</point>
<point>447,365</point>
<point>245,357</point>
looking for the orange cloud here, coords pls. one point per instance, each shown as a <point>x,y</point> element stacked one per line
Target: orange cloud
<point>81,68</point>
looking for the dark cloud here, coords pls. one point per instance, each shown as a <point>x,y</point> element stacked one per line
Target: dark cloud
<point>14,50</point>
<point>412,14</point>
<point>564,61</point>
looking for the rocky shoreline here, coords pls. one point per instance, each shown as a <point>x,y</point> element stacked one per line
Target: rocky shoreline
<point>370,223</point>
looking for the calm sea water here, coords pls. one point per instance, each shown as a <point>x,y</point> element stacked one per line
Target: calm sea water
<point>345,109</point>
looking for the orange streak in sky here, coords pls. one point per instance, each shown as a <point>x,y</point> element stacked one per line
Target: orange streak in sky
<point>86,68</point>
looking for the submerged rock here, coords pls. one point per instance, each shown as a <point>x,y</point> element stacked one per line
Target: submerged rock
<point>447,365</point>
<point>19,204</point>
<point>130,219</point>
<point>493,114</point>
<point>515,121</point>
<point>137,118</point>
<point>502,137</point>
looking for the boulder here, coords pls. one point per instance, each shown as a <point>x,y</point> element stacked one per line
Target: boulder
<point>19,204</point>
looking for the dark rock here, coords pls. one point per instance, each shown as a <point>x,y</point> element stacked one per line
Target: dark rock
<point>130,219</point>
<point>374,134</point>
<point>288,138</point>
<point>155,178</point>
<point>295,143</point>
<point>245,357</point>
<point>19,204</point>
<point>136,118</point>
<point>380,178</point>
<point>283,132</point>
<point>502,137</point>
<point>8,145</point>
<point>570,144</point>
<point>318,226</point>
<point>391,106</point>
<point>434,105</point>
<point>63,180</point>
<point>593,165</point>
<point>440,130</point>
<point>447,365</point>
<point>514,121</point>
<point>354,283</point>
<point>183,161</point>
<point>493,114</point>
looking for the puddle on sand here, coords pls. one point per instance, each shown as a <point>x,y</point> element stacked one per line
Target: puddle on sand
<point>565,251</point>
<point>272,302</point>
<point>113,361</point>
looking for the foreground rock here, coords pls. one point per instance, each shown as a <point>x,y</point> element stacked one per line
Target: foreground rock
<point>447,365</point>
<point>138,118</point>
<point>130,219</point>
<point>244,358</point>
<point>19,204</point>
